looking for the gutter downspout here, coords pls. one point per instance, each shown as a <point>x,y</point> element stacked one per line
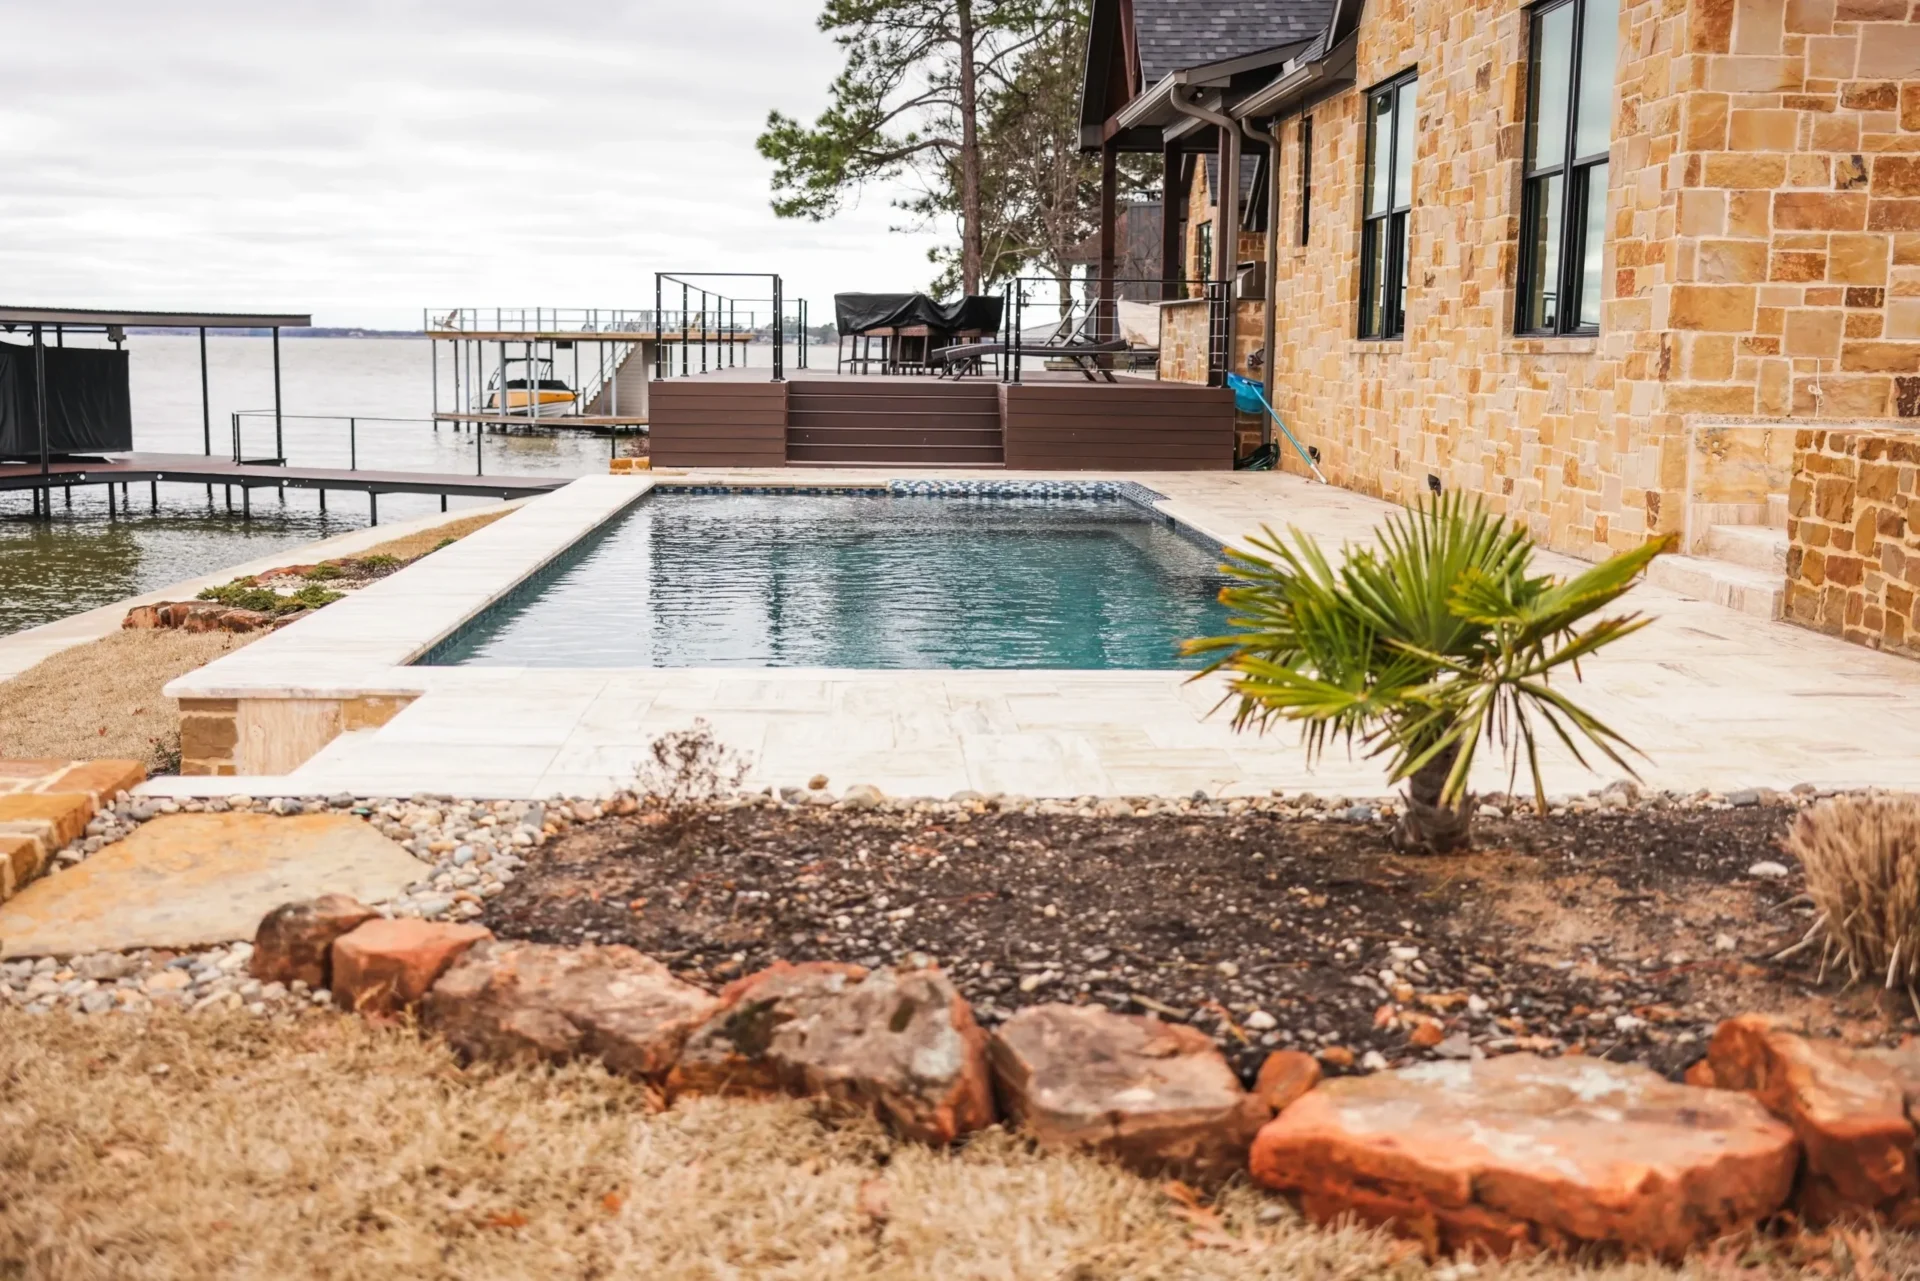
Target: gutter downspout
<point>1226,256</point>
<point>1268,326</point>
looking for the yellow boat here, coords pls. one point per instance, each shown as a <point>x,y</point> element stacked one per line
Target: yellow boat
<point>548,397</point>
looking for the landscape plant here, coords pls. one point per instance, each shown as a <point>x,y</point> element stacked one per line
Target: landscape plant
<point>1861,855</point>
<point>685,771</point>
<point>1439,640</point>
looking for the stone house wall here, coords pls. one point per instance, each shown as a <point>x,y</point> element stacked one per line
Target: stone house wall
<point>1853,525</point>
<point>1762,259</point>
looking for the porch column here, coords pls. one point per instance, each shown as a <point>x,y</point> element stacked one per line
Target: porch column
<point>1226,248</point>
<point>1107,325</point>
<point>1173,265</point>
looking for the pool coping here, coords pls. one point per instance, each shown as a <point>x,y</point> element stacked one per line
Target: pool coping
<point>374,642</point>
<point>272,707</point>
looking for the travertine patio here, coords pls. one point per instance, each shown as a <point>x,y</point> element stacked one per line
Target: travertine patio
<point>1719,700</point>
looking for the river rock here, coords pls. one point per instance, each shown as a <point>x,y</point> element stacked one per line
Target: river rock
<point>730,1053</point>
<point>295,940</point>
<point>1848,1107</point>
<point>519,1002</point>
<point>1285,1075</point>
<point>1520,1152</point>
<point>1157,1097</point>
<point>387,965</point>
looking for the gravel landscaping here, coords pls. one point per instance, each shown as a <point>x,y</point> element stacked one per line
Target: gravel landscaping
<point>1616,925</point>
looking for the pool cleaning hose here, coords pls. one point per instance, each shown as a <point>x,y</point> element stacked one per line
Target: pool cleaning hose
<point>1250,399</point>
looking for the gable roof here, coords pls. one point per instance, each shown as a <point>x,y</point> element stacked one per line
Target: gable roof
<point>1176,34</point>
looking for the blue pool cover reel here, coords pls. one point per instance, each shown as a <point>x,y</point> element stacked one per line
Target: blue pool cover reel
<point>1249,398</point>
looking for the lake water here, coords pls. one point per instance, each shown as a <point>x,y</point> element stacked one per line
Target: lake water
<point>863,580</point>
<point>82,559</point>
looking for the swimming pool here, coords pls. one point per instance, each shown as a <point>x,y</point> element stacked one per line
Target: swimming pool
<point>867,579</point>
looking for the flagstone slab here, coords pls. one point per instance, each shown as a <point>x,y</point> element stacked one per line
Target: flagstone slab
<point>184,880</point>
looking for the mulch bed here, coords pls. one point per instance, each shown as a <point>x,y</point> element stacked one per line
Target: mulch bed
<point>1627,934</point>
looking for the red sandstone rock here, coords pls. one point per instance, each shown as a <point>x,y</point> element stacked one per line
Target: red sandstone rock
<point>1850,1109</point>
<point>901,1043</point>
<point>295,940</point>
<point>1521,1152</point>
<point>1284,1077</point>
<point>728,1054</point>
<point>385,966</point>
<point>517,1002</point>
<point>244,620</point>
<point>142,616</point>
<point>1157,1097</point>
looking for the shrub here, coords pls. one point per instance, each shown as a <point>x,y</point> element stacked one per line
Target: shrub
<point>1420,651</point>
<point>312,596</point>
<point>687,769</point>
<point>241,593</point>
<point>324,573</point>
<point>379,562</point>
<point>1862,860</point>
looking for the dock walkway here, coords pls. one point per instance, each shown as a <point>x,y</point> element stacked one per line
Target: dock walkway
<point>198,469</point>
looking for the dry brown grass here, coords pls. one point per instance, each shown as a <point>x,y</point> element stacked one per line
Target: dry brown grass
<point>102,699</point>
<point>1862,860</point>
<point>412,545</point>
<point>195,1146</point>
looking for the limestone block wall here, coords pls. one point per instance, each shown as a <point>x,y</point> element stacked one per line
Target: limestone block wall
<point>1762,259</point>
<point>1737,474</point>
<point>1183,341</point>
<point>1853,524</point>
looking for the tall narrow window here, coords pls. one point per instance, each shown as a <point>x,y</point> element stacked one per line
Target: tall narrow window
<point>1563,207</point>
<point>1306,177</point>
<point>1203,252</point>
<point>1389,199</point>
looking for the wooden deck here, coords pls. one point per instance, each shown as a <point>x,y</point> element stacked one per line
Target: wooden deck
<point>1056,421</point>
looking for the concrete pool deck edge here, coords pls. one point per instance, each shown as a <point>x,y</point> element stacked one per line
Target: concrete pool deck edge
<point>1720,700</point>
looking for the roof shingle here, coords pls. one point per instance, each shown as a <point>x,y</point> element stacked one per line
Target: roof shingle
<point>1175,34</point>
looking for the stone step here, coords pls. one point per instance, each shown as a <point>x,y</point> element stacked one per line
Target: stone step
<point>1756,592</point>
<point>1755,546</point>
<point>1776,511</point>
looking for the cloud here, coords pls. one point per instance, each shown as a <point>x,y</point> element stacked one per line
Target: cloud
<point>364,161</point>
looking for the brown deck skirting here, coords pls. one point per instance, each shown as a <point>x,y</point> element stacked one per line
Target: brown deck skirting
<point>1124,427</point>
<point>718,424</point>
<point>1061,426</point>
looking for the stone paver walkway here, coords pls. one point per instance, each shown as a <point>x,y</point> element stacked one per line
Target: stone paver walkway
<point>185,880</point>
<point>1717,699</point>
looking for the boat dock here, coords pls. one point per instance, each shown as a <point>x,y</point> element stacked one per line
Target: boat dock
<point>123,470</point>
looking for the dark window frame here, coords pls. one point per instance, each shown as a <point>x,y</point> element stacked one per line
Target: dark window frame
<point>1575,174</point>
<point>1392,222</point>
<point>1306,179</point>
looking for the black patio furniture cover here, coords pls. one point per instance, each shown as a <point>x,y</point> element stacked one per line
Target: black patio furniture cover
<point>89,403</point>
<point>861,313</point>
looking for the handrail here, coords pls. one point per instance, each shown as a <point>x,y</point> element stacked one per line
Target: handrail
<point>353,421</point>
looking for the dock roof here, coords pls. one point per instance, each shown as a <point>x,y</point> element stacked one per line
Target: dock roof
<point>78,316</point>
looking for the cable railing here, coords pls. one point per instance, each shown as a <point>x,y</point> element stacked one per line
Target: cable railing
<point>245,424</point>
<point>1121,327</point>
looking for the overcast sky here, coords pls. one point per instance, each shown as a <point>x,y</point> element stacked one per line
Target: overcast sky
<point>364,160</point>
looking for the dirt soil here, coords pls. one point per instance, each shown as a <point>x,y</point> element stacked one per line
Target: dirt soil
<point>1624,934</point>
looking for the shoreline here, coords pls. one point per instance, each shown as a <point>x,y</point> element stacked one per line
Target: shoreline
<point>22,650</point>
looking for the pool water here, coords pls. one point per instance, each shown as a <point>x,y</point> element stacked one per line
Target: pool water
<point>861,580</point>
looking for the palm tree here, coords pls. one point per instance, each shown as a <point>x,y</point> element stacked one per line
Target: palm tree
<point>1422,650</point>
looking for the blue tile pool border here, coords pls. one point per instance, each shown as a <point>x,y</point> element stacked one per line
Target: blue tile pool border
<point>526,589</point>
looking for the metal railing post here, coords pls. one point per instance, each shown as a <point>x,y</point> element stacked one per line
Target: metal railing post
<point>779,333</point>
<point>353,443</point>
